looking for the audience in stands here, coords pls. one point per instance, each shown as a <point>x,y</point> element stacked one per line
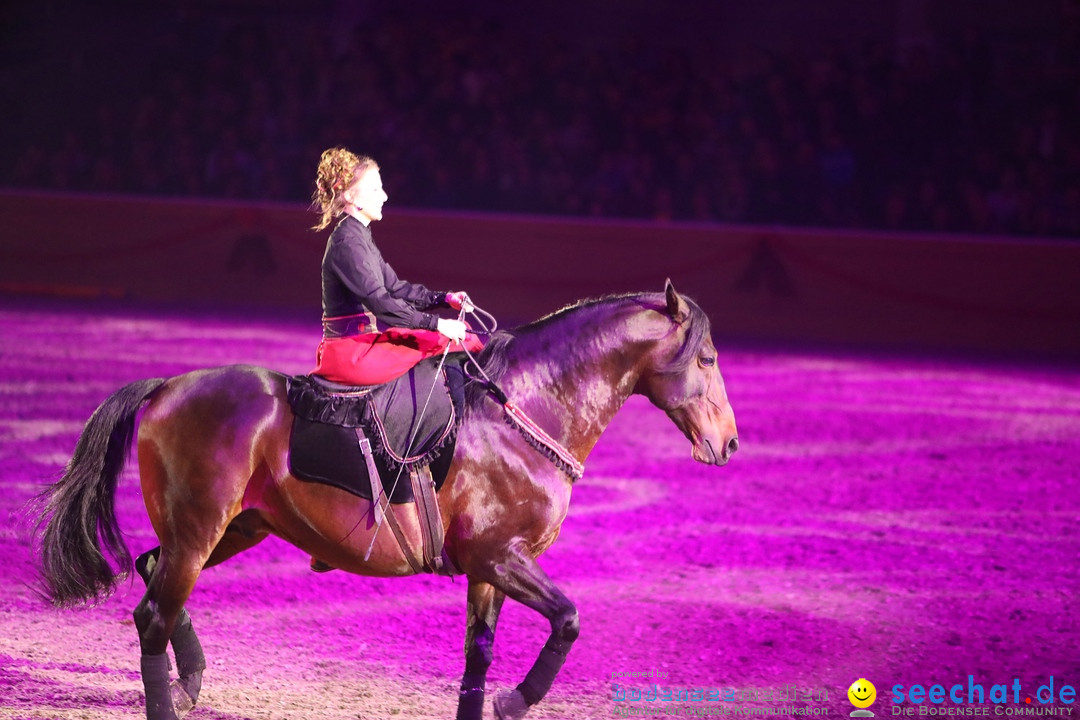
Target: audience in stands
<point>947,138</point>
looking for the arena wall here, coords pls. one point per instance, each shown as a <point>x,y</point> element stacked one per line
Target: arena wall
<point>1018,296</point>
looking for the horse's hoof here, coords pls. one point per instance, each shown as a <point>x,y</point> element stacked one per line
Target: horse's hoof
<point>510,706</point>
<point>181,701</point>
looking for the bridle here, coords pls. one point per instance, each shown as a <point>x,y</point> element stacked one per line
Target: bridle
<point>548,446</point>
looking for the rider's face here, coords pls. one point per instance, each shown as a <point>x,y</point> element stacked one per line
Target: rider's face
<point>367,195</point>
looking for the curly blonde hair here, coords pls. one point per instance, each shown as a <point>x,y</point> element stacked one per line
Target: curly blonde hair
<point>339,168</point>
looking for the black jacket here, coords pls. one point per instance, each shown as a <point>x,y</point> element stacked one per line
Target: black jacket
<point>356,279</point>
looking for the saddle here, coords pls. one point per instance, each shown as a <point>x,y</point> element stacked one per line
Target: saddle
<point>381,444</point>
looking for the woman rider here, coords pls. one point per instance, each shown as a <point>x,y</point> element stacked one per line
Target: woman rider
<point>376,326</point>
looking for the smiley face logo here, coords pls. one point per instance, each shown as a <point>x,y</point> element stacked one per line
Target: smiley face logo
<point>862,693</point>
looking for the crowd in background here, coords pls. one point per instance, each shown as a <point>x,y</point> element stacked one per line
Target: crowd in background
<point>949,136</point>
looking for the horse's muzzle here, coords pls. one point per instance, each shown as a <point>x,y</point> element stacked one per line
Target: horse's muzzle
<point>705,451</point>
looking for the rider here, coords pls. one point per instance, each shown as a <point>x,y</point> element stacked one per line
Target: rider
<point>375,325</point>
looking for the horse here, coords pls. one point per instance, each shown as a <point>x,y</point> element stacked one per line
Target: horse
<point>213,466</point>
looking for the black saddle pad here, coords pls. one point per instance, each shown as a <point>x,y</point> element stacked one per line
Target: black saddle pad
<point>324,447</point>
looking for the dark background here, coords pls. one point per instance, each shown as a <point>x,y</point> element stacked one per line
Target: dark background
<point>957,116</point>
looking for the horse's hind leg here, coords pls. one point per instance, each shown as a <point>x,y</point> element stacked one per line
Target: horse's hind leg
<point>159,618</point>
<point>190,661</point>
<point>484,605</point>
<point>521,578</point>
<point>156,617</point>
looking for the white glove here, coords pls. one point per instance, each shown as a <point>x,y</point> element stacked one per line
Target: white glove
<point>453,329</point>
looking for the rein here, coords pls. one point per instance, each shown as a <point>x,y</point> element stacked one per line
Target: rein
<point>536,436</point>
<point>548,446</point>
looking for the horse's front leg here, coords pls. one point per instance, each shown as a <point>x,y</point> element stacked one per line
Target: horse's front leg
<point>521,578</point>
<point>484,605</point>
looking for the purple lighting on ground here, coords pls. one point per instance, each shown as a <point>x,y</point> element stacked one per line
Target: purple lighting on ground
<point>907,521</point>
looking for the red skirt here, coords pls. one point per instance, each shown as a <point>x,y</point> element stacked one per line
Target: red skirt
<point>378,357</point>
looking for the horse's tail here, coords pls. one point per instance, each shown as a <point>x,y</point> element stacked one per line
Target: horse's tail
<point>78,516</point>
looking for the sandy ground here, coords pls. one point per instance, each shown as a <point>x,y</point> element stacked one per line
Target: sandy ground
<point>907,520</point>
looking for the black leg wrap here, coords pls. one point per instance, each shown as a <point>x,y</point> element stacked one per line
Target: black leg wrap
<point>471,702</point>
<point>473,681</point>
<point>536,684</point>
<point>155,677</point>
<point>190,661</point>
<point>559,646</point>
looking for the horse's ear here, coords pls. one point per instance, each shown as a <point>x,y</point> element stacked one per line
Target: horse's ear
<point>676,306</point>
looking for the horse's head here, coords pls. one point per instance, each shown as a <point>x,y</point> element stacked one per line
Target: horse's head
<point>683,380</point>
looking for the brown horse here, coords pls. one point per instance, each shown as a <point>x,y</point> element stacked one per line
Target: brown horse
<point>213,462</point>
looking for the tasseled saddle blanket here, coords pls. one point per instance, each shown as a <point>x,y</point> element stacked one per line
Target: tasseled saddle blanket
<point>326,447</point>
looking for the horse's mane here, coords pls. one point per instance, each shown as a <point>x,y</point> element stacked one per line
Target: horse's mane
<point>495,357</point>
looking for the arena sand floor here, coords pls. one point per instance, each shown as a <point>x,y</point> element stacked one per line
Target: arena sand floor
<point>909,520</point>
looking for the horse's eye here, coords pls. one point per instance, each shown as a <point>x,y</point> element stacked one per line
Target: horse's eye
<point>707,361</point>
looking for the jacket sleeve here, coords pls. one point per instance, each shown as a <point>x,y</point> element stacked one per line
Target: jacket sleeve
<point>365,273</point>
<point>413,293</point>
